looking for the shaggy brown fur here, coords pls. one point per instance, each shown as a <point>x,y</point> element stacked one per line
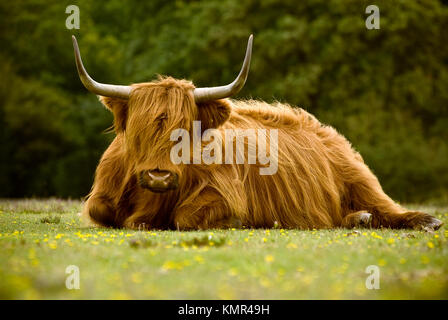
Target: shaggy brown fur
<point>321,181</point>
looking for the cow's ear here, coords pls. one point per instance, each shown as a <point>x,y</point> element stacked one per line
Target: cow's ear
<point>214,113</point>
<point>119,108</point>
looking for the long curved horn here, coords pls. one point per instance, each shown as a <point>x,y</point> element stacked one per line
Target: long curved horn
<point>107,90</point>
<point>214,93</point>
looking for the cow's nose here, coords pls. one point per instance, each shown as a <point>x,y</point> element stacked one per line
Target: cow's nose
<point>158,180</point>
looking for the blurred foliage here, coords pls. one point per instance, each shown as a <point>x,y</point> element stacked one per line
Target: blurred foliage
<point>385,90</point>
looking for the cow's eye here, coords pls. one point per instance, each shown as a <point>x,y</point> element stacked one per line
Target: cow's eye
<point>162,117</point>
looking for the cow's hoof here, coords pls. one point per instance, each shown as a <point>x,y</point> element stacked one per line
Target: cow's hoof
<point>229,223</point>
<point>360,219</point>
<point>233,222</point>
<point>365,219</point>
<point>436,224</point>
<point>424,221</point>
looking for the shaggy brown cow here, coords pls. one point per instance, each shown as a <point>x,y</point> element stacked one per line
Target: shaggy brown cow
<point>321,182</point>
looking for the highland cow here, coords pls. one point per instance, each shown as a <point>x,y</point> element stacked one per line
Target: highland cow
<point>321,181</point>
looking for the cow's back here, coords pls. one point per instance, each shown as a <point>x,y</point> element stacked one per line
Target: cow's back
<point>306,190</point>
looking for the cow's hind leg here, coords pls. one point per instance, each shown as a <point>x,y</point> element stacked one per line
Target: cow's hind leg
<point>407,220</point>
<point>367,194</point>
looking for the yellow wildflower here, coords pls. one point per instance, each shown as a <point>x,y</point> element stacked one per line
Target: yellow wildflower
<point>53,245</point>
<point>136,277</point>
<point>291,246</point>
<point>199,259</point>
<point>425,259</point>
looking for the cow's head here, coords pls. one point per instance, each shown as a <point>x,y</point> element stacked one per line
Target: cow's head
<point>147,113</point>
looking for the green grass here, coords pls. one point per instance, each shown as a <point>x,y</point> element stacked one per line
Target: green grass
<point>40,238</point>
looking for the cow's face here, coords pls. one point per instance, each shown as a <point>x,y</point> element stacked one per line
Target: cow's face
<point>146,114</point>
<point>147,119</point>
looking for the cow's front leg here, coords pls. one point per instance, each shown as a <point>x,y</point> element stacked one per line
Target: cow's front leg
<point>101,205</point>
<point>207,211</point>
<point>205,218</point>
<point>100,211</point>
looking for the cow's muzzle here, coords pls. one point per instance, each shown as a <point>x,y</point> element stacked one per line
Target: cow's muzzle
<point>158,180</point>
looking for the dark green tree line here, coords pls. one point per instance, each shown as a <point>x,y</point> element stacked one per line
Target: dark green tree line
<point>386,89</point>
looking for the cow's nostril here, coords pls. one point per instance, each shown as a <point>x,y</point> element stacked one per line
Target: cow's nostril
<point>159,177</point>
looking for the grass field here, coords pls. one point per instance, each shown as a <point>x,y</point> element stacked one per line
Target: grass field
<point>40,238</point>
